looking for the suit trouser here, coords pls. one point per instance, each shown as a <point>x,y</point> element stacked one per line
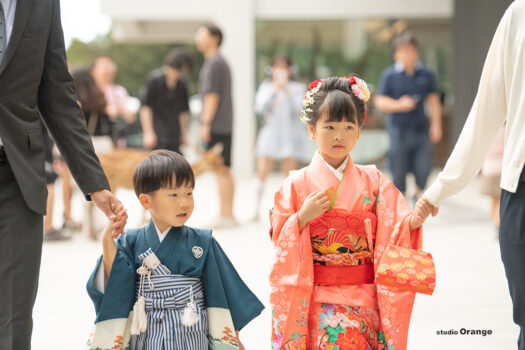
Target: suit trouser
<point>21,234</point>
<point>512,245</point>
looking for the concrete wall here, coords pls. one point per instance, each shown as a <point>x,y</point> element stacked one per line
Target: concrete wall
<point>278,9</point>
<point>475,22</point>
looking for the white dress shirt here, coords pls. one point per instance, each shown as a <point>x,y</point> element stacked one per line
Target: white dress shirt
<point>500,98</point>
<point>9,7</point>
<point>9,13</point>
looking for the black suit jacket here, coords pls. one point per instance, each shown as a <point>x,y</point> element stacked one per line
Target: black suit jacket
<point>35,84</point>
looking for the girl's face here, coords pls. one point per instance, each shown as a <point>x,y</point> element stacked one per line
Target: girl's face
<point>335,140</point>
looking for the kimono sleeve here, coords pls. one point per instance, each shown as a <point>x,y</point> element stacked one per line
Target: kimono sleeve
<point>284,212</point>
<point>395,307</point>
<point>224,288</point>
<point>393,210</point>
<point>114,299</point>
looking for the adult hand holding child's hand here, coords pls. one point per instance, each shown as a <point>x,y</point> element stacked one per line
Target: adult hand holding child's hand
<point>116,226</point>
<point>422,210</point>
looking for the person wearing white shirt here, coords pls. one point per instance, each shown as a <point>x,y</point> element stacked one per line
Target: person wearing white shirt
<point>500,98</point>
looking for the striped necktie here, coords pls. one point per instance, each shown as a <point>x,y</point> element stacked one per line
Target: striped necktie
<point>3,34</point>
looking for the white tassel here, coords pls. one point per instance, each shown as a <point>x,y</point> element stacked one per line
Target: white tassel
<point>139,320</point>
<point>189,316</point>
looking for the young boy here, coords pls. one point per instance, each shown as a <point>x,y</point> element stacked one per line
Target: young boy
<point>180,286</point>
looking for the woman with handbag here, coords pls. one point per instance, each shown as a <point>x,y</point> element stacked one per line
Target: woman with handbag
<point>331,223</point>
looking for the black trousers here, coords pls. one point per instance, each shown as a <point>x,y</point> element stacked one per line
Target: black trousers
<point>512,245</point>
<point>21,234</point>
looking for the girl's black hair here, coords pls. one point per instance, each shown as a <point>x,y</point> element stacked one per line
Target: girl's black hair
<point>159,170</point>
<point>336,100</point>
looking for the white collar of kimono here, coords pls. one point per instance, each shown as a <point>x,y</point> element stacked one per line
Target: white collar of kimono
<point>339,171</point>
<point>162,235</point>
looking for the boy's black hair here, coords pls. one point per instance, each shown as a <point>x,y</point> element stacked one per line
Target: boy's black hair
<point>159,170</point>
<point>336,100</point>
<point>178,59</point>
<point>214,31</point>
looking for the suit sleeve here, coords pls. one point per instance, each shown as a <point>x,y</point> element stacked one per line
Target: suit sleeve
<point>57,102</point>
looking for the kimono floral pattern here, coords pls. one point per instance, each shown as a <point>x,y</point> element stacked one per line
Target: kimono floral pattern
<point>118,344</point>
<point>349,327</point>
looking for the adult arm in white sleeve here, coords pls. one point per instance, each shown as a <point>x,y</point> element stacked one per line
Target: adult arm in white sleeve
<point>484,120</point>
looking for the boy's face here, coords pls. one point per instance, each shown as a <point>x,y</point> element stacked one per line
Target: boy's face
<point>169,206</point>
<point>335,140</point>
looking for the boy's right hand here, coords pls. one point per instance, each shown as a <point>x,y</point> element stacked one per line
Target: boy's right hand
<point>314,206</point>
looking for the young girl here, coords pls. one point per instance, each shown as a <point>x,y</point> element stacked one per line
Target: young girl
<point>331,223</point>
<point>183,291</point>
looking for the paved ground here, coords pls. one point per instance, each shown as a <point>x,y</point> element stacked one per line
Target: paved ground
<point>471,289</point>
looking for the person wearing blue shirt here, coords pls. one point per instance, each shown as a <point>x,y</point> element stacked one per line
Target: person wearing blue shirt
<point>404,89</point>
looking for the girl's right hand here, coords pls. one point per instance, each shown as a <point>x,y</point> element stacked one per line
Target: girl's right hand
<point>314,206</point>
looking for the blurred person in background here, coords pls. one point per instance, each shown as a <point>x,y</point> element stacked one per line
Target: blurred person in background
<point>95,108</point>
<point>50,232</point>
<point>282,137</point>
<point>93,103</point>
<point>217,113</point>
<point>404,89</point>
<point>104,70</point>
<point>164,114</point>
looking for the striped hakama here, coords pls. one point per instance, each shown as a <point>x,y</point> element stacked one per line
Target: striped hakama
<point>167,295</point>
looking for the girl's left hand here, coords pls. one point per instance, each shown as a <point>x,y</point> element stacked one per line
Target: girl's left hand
<point>422,210</point>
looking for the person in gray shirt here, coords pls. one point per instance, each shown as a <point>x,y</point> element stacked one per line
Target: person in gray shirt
<point>217,113</point>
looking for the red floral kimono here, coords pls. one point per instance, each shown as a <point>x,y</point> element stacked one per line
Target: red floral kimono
<point>323,292</point>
